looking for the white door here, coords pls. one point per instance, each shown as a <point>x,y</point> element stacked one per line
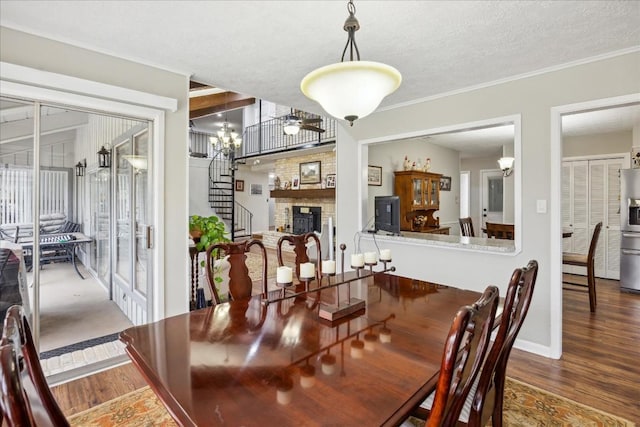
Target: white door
<point>132,224</point>
<point>492,196</point>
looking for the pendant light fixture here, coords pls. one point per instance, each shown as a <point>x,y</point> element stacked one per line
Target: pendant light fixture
<point>353,89</point>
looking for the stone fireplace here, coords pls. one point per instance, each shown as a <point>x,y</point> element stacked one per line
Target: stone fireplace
<point>307,219</point>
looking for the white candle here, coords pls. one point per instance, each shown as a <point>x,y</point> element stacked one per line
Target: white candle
<point>328,362</point>
<point>370,257</point>
<point>370,341</point>
<point>284,274</point>
<point>285,393</point>
<point>357,260</point>
<point>385,254</point>
<point>328,266</point>
<point>385,335</point>
<point>307,376</point>
<point>357,347</point>
<point>307,270</point>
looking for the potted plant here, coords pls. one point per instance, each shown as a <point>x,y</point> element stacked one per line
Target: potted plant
<point>205,231</point>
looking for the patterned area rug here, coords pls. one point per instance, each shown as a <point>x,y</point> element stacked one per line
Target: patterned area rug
<point>525,406</point>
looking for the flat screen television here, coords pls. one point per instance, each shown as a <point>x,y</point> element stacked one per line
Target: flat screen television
<point>387,214</point>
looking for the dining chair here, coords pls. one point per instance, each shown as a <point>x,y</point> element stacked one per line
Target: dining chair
<point>499,231</point>
<point>464,353</point>
<point>466,227</point>
<point>27,396</point>
<point>485,399</point>
<point>240,283</point>
<point>300,243</point>
<point>588,261</point>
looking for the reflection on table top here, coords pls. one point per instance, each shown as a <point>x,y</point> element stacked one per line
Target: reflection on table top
<point>235,362</point>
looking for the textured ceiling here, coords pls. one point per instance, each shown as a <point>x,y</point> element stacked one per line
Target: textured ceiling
<point>265,48</point>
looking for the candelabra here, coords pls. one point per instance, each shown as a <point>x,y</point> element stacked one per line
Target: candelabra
<point>340,308</point>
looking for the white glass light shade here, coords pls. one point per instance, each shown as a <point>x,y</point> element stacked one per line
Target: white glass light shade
<point>291,126</point>
<point>506,162</point>
<point>351,90</point>
<point>138,162</point>
<point>291,129</point>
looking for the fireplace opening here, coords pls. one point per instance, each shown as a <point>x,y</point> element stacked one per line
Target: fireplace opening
<point>307,219</point>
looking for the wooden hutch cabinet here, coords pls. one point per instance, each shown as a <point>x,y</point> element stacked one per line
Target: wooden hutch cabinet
<point>419,194</point>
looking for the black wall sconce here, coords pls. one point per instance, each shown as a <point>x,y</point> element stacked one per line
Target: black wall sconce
<point>81,167</point>
<point>104,158</point>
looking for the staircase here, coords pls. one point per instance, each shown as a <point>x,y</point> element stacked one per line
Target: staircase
<point>222,197</point>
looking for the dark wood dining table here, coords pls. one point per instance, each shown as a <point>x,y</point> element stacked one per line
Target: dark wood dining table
<point>252,363</point>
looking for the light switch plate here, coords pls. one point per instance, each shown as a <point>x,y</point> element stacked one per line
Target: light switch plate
<point>541,206</point>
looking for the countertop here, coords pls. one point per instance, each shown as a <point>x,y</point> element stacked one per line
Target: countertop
<point>450,241</point>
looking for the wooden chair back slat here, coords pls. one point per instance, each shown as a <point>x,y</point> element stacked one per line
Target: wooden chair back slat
<point>500,231</point>
<point>32,393</point>
<point>466,227</point>
<point>299,243</point>
<point>464,354</point>
<point>240,283</point>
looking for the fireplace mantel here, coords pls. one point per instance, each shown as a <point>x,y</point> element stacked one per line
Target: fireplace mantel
<point>314,193</point>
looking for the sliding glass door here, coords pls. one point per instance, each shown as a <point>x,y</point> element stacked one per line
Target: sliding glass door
<point>132,227</point>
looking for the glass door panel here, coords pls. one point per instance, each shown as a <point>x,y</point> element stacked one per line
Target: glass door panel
<point>417,192</point>
<point>433,192</point>
<point>133,219</point>
<point>17,144</point>
<point>100,224</point>
<point>141,149</point>
<point>123,172</point>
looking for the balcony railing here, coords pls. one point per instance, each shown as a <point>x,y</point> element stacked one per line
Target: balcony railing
<point>268,137</point>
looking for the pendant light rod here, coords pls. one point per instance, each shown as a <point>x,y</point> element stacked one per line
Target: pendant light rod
<point>351,25</point>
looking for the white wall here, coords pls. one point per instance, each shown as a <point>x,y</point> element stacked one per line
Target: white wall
<point>533,98</point>
<point>604,143</point>
<point>199,187</point>
<point>257,204</point>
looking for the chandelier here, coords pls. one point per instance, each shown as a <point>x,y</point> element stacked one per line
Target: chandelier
<point>226,139</point>
<point>353,89</point>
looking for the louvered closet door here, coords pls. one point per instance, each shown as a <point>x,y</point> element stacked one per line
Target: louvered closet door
<point>575,209</point>
<point>611,240</point>
<point>598,198</point>
<point>590,194</point>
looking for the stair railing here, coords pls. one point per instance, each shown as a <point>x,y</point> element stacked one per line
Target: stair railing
<point>243,221</point>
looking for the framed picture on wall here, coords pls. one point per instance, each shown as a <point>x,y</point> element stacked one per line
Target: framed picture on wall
<point>310,173</point>
<point>445,183</point>
<point>331,180</point>
<point>295,183</point>
<point>374,175</point>
<point>239,185</point>
<point>256,188</point>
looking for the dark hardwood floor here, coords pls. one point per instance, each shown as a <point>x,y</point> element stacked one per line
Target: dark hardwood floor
<point>600,366</point>
<point>600,363</point>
